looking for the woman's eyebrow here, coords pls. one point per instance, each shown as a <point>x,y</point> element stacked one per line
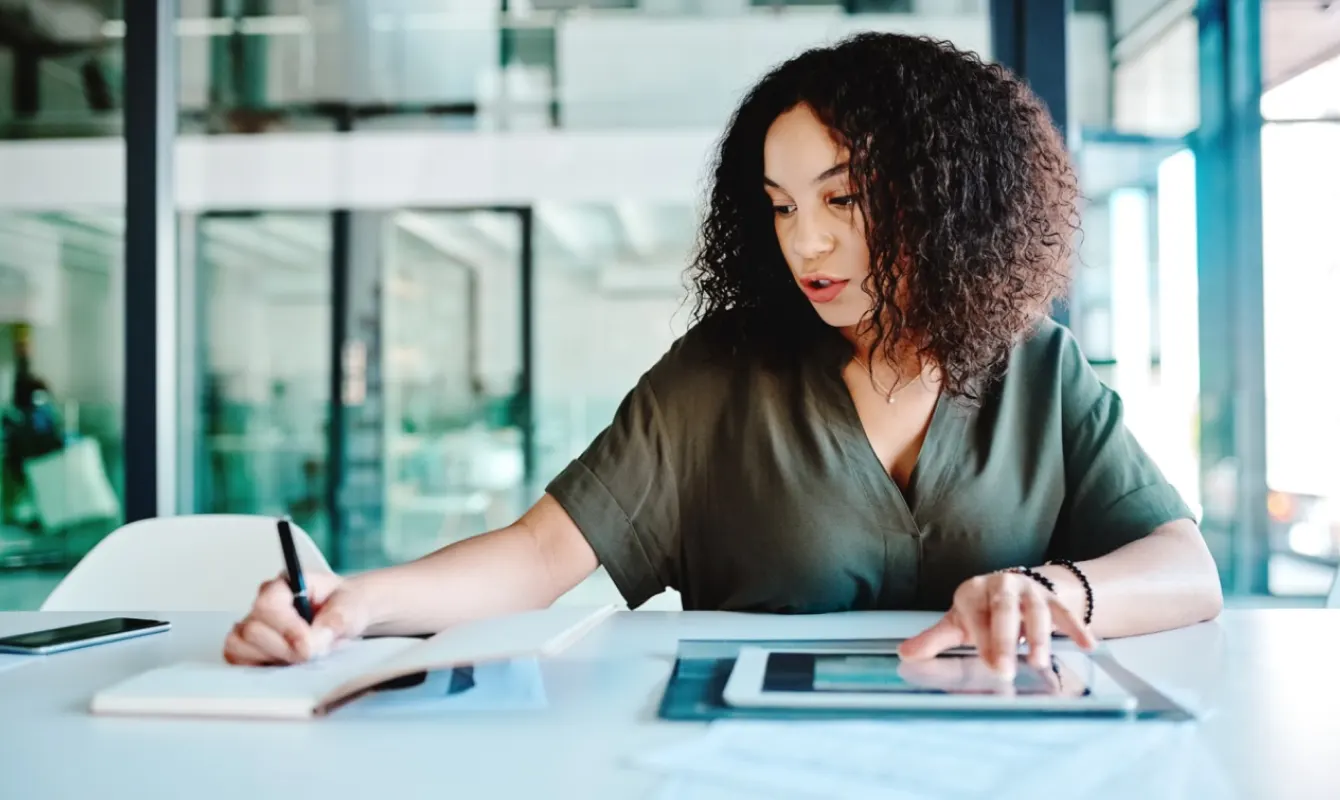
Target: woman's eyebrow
<point>836,169</point>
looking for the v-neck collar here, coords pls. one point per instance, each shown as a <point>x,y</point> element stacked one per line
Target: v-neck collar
<point>836,353</point>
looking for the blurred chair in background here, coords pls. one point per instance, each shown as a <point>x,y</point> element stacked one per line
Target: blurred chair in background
<point>190,563</point>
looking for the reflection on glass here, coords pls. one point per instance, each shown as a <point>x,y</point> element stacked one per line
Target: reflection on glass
<point>454,426</point>
<point>264,376</point>
<point>60,69</point>
<point>61,381</point>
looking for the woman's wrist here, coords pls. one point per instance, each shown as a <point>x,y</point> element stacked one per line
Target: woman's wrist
<point>1068,587</point>
<point>374,594</point>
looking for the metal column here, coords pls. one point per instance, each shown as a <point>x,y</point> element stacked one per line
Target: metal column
<point>1232,315</point>
<point>150,394</point>
<point>1029,38</point>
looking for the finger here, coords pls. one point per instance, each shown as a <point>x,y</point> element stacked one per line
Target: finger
<point>321,585</point>
<point>237,650</point>
<point>1037,620</point>
<point>266,639</point>
<point>933,641</point>
<point>976,623</point>
<point>340,618</point>
<point>1003,647</point>
<point>274,607</point>
<point>1069,623</point>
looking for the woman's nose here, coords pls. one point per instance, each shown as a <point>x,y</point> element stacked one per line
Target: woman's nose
<point>811,240</point>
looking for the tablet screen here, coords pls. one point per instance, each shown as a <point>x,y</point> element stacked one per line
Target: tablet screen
<point>886,673</point>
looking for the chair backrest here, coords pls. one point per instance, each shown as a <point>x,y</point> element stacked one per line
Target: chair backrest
<point>210,562</point>
<point>1333,599</point>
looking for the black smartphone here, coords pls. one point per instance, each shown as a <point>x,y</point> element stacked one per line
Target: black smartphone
<point>85,634</point>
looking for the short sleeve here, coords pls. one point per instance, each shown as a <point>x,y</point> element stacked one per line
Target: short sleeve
<point>622,494</point>
<point>1115,493</point>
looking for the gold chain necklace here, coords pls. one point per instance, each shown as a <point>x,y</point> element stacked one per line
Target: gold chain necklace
<point>890,395</point>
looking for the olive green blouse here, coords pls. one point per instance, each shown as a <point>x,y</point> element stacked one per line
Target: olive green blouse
<point>754,488</point>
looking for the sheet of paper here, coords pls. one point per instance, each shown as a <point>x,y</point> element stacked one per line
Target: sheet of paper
<point>500,686</point>
<point>8,661</point>
<point>934,759</point>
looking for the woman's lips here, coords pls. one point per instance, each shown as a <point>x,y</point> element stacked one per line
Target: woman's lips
<point>822,290</point>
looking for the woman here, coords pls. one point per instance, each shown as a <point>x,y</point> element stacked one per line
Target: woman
<point>873,410</point>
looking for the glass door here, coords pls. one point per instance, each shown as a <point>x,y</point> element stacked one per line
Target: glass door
<point>260,366</point>
<point>434,391</point>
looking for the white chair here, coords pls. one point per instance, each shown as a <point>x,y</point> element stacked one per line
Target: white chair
<point>210,562</point>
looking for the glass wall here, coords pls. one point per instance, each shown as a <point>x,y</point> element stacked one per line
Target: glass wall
<point>1134,300</point>
<point>453,401</point>
<point>471,65</point>
<point>262,363</point>
<point>1301,191</point>
<point>62,291</point>
<point>60,70</point>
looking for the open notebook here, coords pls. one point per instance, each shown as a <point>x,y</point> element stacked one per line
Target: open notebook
<point>314,688</point>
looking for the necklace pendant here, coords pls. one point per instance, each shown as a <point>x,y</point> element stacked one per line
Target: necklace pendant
<point>890,400</point>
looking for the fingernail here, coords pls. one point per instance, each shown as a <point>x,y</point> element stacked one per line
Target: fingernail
<point>322,639</point>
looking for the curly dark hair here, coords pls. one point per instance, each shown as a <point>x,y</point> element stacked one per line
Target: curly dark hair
<point>966,189</point>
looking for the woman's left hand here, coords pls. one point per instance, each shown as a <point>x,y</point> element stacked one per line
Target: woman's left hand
<point>991,612</point>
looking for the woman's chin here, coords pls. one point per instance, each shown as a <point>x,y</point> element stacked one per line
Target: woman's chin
<point>837,317</point>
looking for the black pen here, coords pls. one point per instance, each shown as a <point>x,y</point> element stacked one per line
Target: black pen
<point>294,569</point>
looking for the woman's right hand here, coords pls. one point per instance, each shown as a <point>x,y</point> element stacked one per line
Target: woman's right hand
<point>274,633</point>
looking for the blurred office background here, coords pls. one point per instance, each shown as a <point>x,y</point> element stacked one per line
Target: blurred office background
<point>418,249</point>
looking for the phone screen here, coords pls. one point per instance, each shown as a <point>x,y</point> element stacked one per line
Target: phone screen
<point>80,632</point>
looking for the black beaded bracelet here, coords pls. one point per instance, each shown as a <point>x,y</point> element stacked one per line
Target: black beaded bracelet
<point>1084,581</point>
<point>1035,575</point>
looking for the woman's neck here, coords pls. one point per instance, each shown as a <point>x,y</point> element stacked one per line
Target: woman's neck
<point>905,360</point>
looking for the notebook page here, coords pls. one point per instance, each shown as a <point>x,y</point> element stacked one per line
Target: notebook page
<point>220,688</point>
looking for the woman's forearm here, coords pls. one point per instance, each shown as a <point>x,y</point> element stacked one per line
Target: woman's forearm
<point>1166,580</point>
<point>524,566</point>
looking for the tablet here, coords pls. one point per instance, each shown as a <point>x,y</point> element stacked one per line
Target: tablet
<point>953,681</point>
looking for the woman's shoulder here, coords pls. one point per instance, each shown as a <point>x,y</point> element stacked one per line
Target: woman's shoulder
<point>1049,361</point>
<point>1049,345</point>
<point>708,365</point>
<point>710,350</point>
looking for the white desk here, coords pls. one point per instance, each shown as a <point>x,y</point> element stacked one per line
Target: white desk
<point>1271,677</point>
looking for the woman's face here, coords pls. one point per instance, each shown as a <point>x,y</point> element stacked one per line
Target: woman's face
<point>819,226</point>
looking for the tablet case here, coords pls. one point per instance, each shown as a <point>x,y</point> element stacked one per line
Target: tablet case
<point>702,666</point>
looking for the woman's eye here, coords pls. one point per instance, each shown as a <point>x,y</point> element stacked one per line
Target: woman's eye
<point>783,210</point>
<point>845,201</point>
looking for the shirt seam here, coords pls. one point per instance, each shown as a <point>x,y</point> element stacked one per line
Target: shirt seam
<point>673,476</point>
<point>627,521</point>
